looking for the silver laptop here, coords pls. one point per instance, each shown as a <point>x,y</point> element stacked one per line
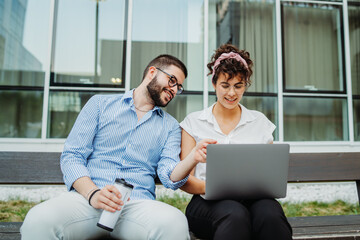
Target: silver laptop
<point>246,171</point>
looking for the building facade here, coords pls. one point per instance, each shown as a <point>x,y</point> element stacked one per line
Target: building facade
<point>56,54</point>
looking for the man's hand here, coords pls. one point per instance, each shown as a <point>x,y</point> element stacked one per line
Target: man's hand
<point>108,198</point>
<point>197,155</point>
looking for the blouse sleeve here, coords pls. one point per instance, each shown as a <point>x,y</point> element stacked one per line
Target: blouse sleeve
<point>270,129</point>
<point>187,126</point>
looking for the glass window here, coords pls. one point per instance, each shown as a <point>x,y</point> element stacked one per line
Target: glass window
<point>64,108</point>
<point>354,30</point>
<point>265,104</point>
<point>21,117</point>
<point>176,28</point>
<point>24,41</point>
<point>90,44</point>
<point>312,47</point>
<point>171,27</point>
<point>183,104</point>
<point>356,108</point>
<point>250,25</point>
<point>315,119</point>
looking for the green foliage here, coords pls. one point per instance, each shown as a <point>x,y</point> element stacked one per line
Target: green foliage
<point>16,210</point>
<point>178,201</point>
<point>320,209</point>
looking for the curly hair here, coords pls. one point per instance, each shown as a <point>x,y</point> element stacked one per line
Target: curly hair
<point>231,66</point>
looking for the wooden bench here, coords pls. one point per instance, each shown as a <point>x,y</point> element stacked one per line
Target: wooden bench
<point>43,168</point>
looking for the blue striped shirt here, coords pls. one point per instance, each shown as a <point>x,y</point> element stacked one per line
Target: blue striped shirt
<point>107,142</point>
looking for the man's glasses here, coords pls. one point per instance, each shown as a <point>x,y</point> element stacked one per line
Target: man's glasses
<point>173,82</point>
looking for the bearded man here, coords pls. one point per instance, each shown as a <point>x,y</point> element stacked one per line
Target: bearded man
<point>120,136</point>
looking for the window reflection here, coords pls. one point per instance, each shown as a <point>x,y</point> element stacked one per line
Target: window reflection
<point>312,47</point>
<point>250,26</point>
<point>64,107</point>
<point>21,117</point>
<point>182,105</point>
<point>90,43</point>
<point>24,48</point>
<point>24,37</point>
<point>315,119</point>
<point>356,108</point>
<point>171,27</point>
<point>354,29</point>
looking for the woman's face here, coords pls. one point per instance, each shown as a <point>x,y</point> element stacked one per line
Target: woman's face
<point>229,92</point>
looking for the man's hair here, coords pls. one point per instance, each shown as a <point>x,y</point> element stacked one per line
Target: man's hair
<point>164,61</point>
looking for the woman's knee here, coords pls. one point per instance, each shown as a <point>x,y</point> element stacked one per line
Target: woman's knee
<point>268,210</point>
<point>233,211</point>
<point>235,223</point>
<point>268,213</point>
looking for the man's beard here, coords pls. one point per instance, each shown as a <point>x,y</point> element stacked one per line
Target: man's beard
<point>155,90</point>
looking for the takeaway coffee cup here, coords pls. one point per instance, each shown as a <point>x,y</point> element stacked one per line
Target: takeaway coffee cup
<point>108,219</point>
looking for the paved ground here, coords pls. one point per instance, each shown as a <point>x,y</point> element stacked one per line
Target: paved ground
<point>296,192</point>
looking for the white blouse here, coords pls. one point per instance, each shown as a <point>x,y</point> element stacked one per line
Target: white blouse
<point>253,127</point>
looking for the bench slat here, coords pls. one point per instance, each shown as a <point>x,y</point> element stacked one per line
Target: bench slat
<point>309,167</point>
<point>11,236</point>
<point>324,220</point>
<point>10,227</point>
<point>30,168</point>
<point>44,167</point>
<point>333,227</point>
<point>339,227</point>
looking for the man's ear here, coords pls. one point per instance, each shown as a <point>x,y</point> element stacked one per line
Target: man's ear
<point>152,72</point>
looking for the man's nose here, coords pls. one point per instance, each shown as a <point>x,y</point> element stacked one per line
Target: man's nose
<point>174,89</point>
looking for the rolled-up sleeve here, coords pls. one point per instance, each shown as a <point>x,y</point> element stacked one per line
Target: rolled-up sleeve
<point>79,144</point>
<point>170,157</point>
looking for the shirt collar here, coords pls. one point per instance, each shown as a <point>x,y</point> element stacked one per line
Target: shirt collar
<point>246,115</point>
<point>207,115</point>
<point>128,96</point>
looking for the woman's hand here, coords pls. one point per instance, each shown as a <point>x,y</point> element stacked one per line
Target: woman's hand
<point>108,198</point>
<point>200,150</point>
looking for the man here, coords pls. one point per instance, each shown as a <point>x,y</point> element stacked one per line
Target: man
<point>120,136</point>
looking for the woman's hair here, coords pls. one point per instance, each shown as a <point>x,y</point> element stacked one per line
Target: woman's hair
<point>232,66</point>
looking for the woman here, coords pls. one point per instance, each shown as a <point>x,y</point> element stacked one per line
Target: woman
<point>227,121</point>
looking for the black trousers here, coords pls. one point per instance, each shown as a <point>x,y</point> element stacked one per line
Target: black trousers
<point>229,219</point>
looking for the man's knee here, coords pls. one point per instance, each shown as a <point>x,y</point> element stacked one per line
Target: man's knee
<point>38,224</point>
<point>172,224</point>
